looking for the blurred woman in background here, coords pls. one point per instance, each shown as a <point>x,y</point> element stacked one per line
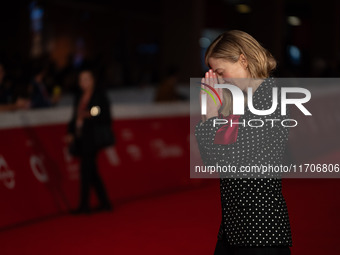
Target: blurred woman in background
<point>91,112</point>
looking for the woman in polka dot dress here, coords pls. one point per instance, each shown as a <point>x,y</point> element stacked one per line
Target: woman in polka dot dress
<point>254,213</point>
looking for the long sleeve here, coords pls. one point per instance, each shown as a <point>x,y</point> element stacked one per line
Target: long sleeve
<point>258,147</point>
<point>261,145</point>
<point>205,133</point>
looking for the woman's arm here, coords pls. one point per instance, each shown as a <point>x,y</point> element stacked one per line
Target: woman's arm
<point>261,145</point>
<point>205,134</point>
<point>205,131</point>
<point>71,123</point>
<point>253,146</point>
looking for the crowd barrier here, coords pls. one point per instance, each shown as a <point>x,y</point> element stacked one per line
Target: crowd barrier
<point>39,178</point>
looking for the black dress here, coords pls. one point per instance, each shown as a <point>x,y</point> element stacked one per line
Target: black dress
<point>254,211</point>
<point>84,147</point>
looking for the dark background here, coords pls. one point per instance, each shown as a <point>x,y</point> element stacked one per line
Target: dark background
<point>133,43</point>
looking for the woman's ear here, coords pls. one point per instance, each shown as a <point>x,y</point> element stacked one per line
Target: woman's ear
<point>243,61</point>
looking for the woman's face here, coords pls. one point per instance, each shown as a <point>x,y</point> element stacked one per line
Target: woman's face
<point>86,80</point>
<point>227,70</point>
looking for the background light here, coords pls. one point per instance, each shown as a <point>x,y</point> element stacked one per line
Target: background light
<point>293,21</point>
<point>243,8</point>
<point>204,42</point>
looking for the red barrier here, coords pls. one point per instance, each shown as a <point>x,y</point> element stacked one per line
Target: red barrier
<point>39,178</point>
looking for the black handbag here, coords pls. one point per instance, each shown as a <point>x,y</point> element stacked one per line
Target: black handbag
<point>103,136</point>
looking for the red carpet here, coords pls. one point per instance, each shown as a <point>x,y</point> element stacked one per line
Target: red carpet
<point>185,223</point>
<point>178,223</point>
<point>314,211</point>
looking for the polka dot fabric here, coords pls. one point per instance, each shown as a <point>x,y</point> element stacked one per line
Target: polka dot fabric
<point>254,211</point>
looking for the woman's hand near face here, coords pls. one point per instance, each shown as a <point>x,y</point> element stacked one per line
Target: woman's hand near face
<point>212,109</point>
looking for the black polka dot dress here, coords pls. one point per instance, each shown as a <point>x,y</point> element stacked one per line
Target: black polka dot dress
<point>254,211</point>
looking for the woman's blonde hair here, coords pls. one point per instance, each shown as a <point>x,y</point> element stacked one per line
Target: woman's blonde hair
<point>229,46</point>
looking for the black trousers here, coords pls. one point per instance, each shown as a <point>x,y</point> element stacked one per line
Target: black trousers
<point>89,177</point>
<point>223,249</point>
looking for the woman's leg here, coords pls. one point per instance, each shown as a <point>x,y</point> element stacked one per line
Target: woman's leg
<point>266,250</point>
<point>85,182</point>
<point>98,184</point>
<point>222,249</point>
